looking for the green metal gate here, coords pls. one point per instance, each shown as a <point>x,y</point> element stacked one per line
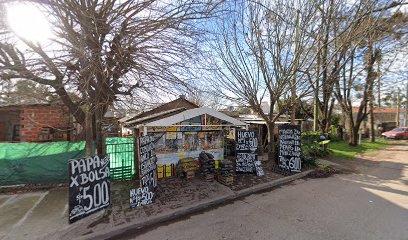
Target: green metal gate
<point>121,154</point>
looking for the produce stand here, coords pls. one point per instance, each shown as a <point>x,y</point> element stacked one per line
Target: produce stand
<point>186,134</point>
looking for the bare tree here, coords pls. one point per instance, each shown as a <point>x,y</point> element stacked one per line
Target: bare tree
<point>103,50</point>
<point>340,25</point>
<point>264,54</point>
<point>358,72</point>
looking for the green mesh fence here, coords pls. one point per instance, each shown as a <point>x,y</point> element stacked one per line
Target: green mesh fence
<point>30,163</point>
<point>45,163</point>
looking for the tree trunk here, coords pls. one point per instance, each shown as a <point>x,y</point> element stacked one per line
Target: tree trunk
<point>329,116</point>
<point>98,134</point>
<point>88,132</point>
<point>372,133</point>
<point>271,145</point>
<point>73,108</point>
<point>353,137</point>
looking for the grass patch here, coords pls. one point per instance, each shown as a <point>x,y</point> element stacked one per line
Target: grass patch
<point>343,150</point>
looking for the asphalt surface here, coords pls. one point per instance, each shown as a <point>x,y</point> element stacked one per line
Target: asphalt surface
<point>370,203</point>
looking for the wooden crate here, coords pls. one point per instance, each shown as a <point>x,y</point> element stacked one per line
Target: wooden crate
<point>227,181</point>
<point>209,177</point>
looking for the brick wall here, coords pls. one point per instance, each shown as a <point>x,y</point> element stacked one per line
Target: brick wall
<point>34,118</point>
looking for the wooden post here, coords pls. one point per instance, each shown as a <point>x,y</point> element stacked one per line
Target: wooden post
<point>136,134</point>
<point>295,66</point>
<point>406,107</point>
<point>398,109</point>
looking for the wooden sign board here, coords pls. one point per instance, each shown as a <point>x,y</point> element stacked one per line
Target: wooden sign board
<point>148,162</point>
<point>89,186</point>
<point>290,148</point>
<point>247,151</point>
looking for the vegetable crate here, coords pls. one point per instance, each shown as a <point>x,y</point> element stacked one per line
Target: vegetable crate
<point>225,180</point>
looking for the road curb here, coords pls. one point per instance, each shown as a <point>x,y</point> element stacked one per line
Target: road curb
<point>272,184</point>
<point>116,231</point>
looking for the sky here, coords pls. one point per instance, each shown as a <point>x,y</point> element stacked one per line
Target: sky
<point>29,22</point>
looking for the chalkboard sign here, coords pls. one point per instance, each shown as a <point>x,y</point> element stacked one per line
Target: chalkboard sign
<point>289,148</point>
<point>258,168</point>
<point>246,149</point>
<point>89,186</point>
<point>148,162</point>
<point>141,196</point>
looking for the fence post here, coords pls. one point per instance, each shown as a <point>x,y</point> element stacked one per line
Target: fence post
<point>136,152</point>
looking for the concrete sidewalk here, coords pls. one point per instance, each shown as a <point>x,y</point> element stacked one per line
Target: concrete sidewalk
<point>33,215</point>
<point>183,204</point>
<point>44,215</point>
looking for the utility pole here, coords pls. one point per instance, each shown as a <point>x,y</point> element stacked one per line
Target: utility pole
<point>316,105</point>
<point>371,104</point>
<point>406,107</point>
<point>398,108</point>
<point>316,93</point>
<point>379,83</point>
<point>295,66</point>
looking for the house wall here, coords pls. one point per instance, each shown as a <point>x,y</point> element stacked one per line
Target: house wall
<point>385,117</point>
<point>387,120</point>
<point>34,118</point>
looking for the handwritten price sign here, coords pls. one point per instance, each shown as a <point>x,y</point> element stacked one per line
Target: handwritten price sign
<point>290,148</point>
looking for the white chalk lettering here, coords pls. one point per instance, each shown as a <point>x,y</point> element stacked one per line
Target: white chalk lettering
<point>289,148</point>
<point>140,197</point>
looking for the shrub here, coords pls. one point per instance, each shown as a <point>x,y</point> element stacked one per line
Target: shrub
<point>313,146</point>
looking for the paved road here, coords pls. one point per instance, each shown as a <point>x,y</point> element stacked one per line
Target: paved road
<point>371,203</point>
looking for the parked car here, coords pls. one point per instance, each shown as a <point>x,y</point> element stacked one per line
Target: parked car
<point>396,133</point>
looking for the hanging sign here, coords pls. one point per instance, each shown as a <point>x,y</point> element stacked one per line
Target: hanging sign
<point>246,149</point>
<point>171,135</point>
<point>89,186</point>
<point>289,148</point>
<point>148,162</point>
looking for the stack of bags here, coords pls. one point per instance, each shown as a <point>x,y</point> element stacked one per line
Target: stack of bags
<point>207,165</point>
<point>225,168</point>
<point>188,166</point>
